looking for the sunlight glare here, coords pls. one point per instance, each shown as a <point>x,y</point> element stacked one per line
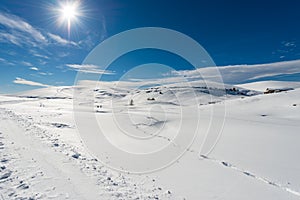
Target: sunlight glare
<point>69,11</point>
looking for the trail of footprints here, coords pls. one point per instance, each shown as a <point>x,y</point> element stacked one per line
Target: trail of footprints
<point>10,177</point>
<point>112,183</point>
<point>251,175</point>
<point>16,178</point>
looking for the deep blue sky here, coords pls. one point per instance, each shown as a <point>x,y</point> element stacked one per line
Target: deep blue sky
<point>233,32</point>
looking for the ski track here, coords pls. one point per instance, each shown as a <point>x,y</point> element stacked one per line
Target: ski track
<point>252,175</point>
<point>66,174</point>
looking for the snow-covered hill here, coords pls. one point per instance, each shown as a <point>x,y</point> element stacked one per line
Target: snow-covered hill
<point>42,156</point>
<point>263,85</point>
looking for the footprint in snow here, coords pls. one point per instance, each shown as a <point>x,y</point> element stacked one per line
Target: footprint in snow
<point>76,155</point>
<point>4,160</point>
<point>248,174</point>
<point>226,164</point>
<point>23,186</point>
<point>59,125</point>
<point>6,175</point>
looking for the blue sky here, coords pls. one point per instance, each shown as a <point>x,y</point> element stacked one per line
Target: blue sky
<point>36,48</point>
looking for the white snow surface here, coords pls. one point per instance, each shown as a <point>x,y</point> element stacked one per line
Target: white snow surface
<point>263,85</point>
<point>42,155</point>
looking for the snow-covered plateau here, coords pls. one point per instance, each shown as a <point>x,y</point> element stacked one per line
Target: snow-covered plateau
<point>256,154</point>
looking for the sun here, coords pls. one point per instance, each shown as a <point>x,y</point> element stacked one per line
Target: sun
<point>69,12</point>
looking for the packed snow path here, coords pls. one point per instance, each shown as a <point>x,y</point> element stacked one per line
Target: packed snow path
<point>32,168</point>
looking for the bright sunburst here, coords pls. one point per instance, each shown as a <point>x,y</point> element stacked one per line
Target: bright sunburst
<point>69,12</point>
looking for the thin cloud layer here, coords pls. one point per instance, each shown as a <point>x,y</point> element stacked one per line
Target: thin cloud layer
<point>21,33</point>
<point>61,40</point>
<point>89,69</point>
<point>27,82</point>
<point>16,23</point>
<point>243,73</point>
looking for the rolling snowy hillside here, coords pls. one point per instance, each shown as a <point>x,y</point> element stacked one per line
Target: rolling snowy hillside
<point>43,157</point>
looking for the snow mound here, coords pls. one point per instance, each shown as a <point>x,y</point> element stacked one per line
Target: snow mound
<point>263,85</point>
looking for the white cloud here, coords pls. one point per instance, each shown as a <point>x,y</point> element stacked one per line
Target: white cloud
<point>15,23</point>
<point>243,73</point>
<point>27,82</point>
<point>10,38</point>
<point>40,56</point>
<point>21,33</point>
<point>2,60</point>
<point>61,40</point>
<point>89,69</point>
<point>28,64</point>
<point>42,62</point>
<point>45,73</point>
<point>289,43</point>
<point>63,54</point>
<point>89,42</point>
<point>34,68</point>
